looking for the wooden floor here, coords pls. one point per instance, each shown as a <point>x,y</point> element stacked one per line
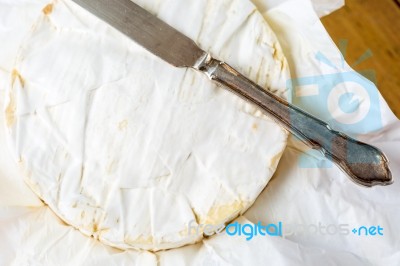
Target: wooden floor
<point>374,25</point>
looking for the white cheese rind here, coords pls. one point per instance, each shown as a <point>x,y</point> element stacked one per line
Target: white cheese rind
<point>129,149</point>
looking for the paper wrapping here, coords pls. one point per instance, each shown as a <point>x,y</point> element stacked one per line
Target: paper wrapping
<point>321,7</point>
<point>302,191</point>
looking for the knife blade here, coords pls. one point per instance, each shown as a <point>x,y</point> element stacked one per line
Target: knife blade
<point>365,165</point>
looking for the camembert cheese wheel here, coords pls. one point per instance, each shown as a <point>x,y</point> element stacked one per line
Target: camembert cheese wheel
<point>130,149</point>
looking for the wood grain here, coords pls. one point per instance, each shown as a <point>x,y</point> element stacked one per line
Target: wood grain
<point>374,25</point>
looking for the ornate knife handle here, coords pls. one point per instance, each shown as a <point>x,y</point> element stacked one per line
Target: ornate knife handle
<point>365,164</point>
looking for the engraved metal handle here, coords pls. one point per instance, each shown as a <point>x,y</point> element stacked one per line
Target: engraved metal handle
<point>365,164</point>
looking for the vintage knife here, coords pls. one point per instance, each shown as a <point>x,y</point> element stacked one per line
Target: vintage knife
<point>365,164</point>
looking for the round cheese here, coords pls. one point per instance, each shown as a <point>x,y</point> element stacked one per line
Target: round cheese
<point>130,149</point>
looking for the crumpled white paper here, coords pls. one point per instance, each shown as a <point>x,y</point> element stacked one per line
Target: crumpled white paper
<point>303,193</point>
<point>325,7</point>
<point>321,7</point>
<point>30,234</point>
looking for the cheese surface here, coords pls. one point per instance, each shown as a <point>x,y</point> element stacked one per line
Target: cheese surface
<point>130,149</point>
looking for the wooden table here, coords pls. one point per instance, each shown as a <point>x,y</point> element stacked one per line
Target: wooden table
<point>373,25</point>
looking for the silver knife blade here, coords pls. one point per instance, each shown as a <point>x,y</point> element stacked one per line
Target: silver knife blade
<point>147,30</point>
